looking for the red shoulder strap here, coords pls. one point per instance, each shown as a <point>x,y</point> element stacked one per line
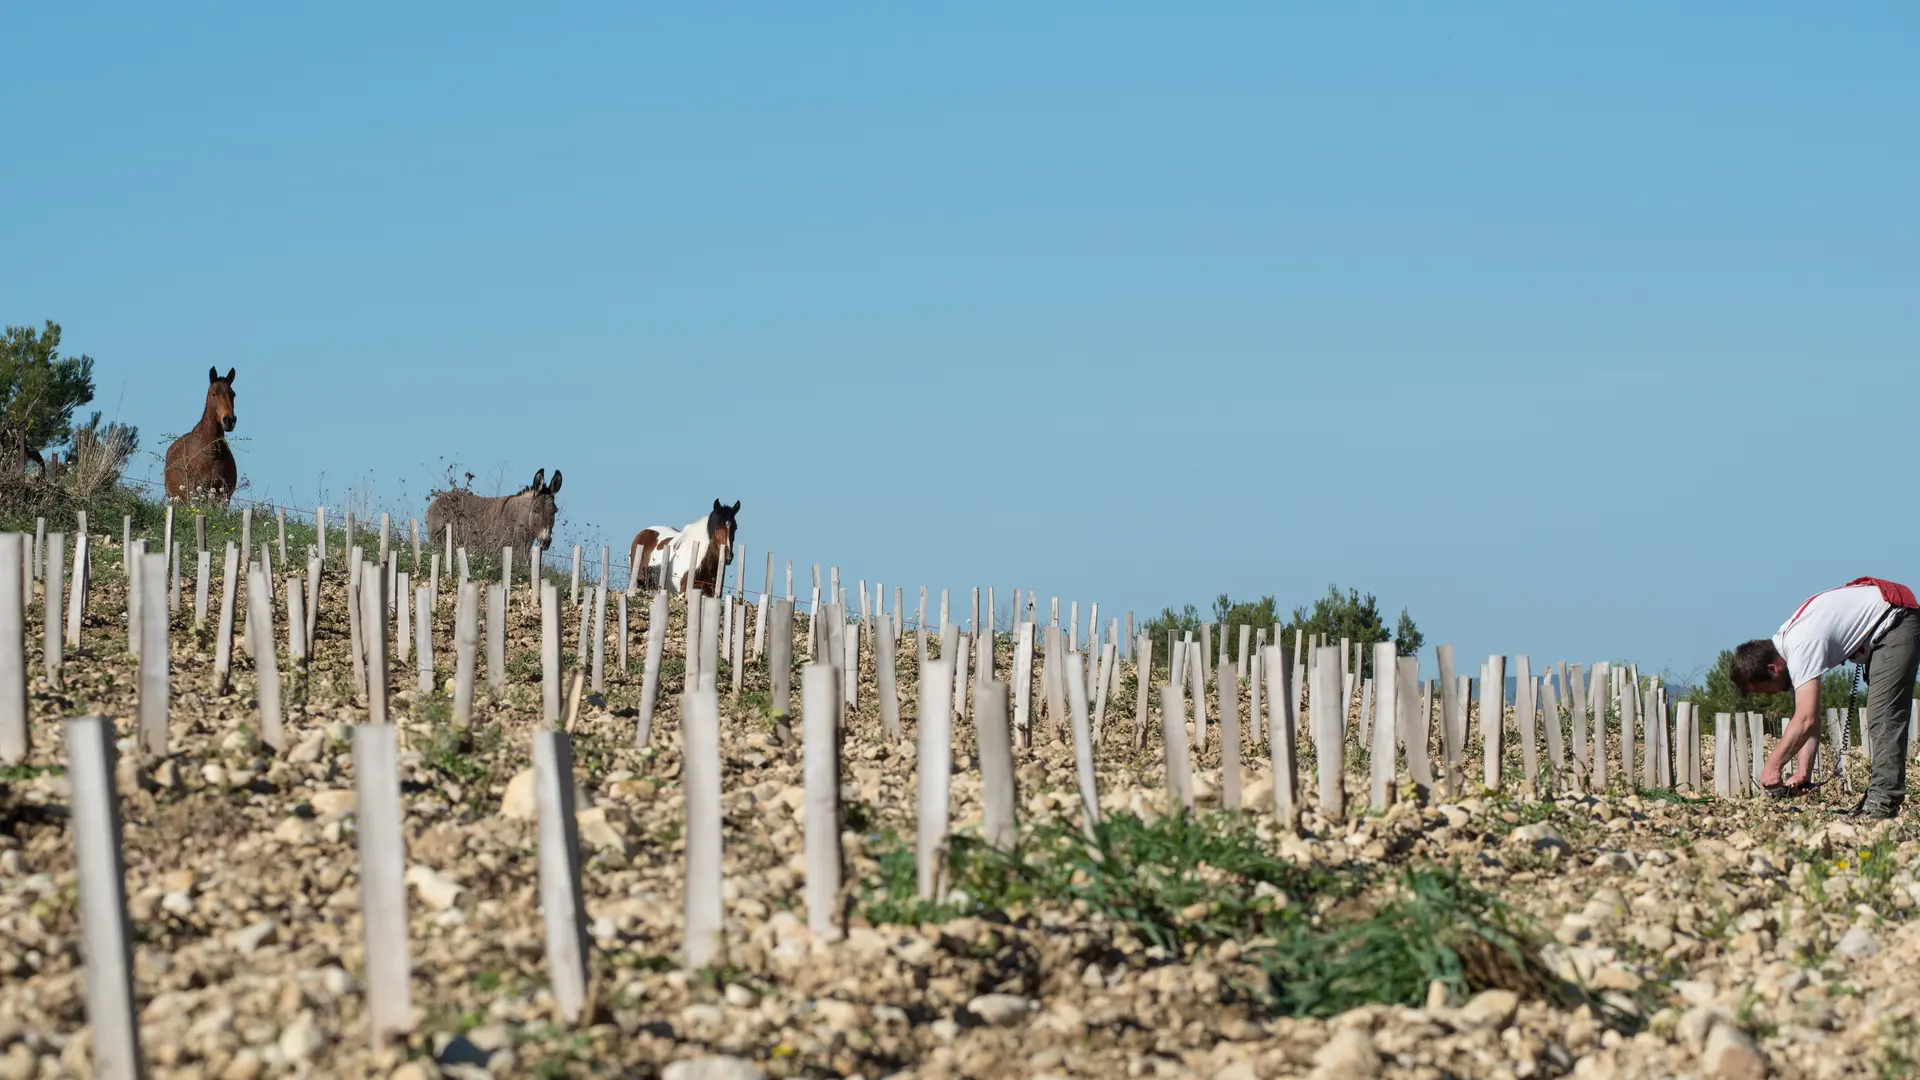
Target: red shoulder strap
<point>1802,609</point>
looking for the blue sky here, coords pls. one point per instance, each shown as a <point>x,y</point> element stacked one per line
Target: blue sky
<point>1581,332</point>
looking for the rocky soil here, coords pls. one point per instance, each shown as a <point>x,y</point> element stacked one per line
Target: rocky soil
<point>1705,938</point>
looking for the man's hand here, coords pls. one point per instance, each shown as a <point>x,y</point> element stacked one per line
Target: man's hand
<point>1806,709</point>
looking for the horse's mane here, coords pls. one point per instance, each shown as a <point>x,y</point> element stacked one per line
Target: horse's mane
<point>459,492</point>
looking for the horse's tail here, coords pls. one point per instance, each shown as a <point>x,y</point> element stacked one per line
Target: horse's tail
<point>645,543</point>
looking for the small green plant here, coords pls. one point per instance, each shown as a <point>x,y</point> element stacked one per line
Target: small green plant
<point>717,979</point>
<point>559,1051</point>
<point>463,757</point>
<point>1530,861</point>
<point>249,741</point>
<point>1523,812</point>
<point>858,816</point>
<point>644,961</point>
<point>1749,1014</point>
<point>1717,920</point>
<point>1876,868</point>
<point>1433,926</point>
<point>592,752</point>
<point>891,898</point>
<point>1898,1055</point>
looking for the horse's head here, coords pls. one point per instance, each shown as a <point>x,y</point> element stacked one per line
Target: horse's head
<point>220,398</point>
<point>722,524</point>
<point>544,508</point>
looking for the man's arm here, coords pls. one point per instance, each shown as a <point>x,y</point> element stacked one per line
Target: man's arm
<point>1806,720</point>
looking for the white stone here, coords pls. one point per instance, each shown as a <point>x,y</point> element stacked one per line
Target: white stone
<point>1490,1009</point>
<point>261,933</point>
<point>296,832</point>
<point>334,801</point>
<point>335,981</point>
<point>712,1068</point>
<point>1698,1022</point>
<point>1349,1053</point>
<point>1695,991</point>
<point>1732,1055</point>
<point>309,749</point>
<point>1000,1010</point>
<point>519,803</point>
<point>600,832</point>
<point>841,1016</point>
<point>1258,794</point>
<point>1857,942</point>
<point>437,890</point>
<point>793,797</point>
<point>1538,835</point>
<point>865,944</point>
<point>301,1039</point>
<point>491,1037</point>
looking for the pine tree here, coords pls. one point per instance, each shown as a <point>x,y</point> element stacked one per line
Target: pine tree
<point>39,390</point>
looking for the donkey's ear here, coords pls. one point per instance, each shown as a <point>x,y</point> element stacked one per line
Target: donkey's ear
<point>213,375</point>
<point>554,488</point>
<point>539,478</point>
<point>736,506</point>
<point>230,372</point>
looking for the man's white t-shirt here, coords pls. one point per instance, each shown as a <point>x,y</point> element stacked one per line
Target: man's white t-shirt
<point>1832,627</point>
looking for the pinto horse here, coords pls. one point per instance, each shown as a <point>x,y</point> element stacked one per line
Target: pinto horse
<point>689,559</point>
<point>200,464</point>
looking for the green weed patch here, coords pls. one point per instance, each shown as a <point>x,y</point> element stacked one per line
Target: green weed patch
<point>1327,941</point>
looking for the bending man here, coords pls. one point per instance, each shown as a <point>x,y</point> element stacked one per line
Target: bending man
<point>1869,622</point>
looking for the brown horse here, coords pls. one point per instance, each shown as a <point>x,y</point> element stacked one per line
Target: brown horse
<point>200,464</point>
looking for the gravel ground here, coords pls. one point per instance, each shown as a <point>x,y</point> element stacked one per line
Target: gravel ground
<point>1722,939</point>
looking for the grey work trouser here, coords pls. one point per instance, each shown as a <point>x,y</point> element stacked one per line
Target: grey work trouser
<point>1891,668</point>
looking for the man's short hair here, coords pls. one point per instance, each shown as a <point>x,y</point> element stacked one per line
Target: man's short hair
<point>1750,663</point>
